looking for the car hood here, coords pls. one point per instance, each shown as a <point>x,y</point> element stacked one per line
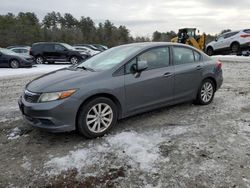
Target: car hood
<point>60,80</point>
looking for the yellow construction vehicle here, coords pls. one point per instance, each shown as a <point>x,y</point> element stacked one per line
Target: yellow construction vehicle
<point>188,36</point>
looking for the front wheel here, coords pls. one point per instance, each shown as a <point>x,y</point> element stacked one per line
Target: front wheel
<point>97,117</point>
<point>206,92</point>
<point>39,60</point>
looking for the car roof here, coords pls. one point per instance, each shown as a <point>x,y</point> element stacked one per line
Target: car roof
<point>155,44</point>
<point>40,43</point>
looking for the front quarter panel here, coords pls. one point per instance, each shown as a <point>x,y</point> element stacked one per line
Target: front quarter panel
<point>108,85</point>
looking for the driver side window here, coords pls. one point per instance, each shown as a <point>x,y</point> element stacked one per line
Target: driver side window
<point>155,58</point>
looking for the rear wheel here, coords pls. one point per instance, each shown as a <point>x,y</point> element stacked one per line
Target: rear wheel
<point>210,51</point>
<point>235,47</point>
<point>74,60</point>
<point>39,60</point>
<point>97,117</point>
<point>206,92</point>
<point>14,64</point>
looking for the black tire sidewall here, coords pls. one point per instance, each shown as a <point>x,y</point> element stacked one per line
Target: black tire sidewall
<point>81,119</point>
<point>238,47</point>
<point>42,59</point>
<point>74,57</point>
<point>199,99</point>
<point>210,51</point>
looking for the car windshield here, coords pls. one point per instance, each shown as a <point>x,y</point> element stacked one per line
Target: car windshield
<point>7,52</point>
<point>109,58</point>
<point>68,46</point>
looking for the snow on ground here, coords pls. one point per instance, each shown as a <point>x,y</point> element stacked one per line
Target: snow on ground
<point>233,58</point>
<point>14,134</point>
<point>36,69</point>
<point>136,149</point>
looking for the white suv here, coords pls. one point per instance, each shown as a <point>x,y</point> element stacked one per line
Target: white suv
<point>232,41</point>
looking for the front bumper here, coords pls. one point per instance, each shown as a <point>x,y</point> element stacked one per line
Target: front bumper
<point>26,63</point>
<point>54,116</point>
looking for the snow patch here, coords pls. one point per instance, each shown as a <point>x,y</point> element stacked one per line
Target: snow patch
<point>36,69</point>
<point>233,58</point>
<point>15,133</point>
<point>27,164</point>
<point>138,150</point>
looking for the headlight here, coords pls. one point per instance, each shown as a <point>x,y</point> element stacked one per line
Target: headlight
<point>45,97</point>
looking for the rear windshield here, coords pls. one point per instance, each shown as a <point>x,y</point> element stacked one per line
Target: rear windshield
<point>247,30</point>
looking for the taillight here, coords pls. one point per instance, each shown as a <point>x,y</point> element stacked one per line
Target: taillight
<point>245,35</point>
<point>218,65</point>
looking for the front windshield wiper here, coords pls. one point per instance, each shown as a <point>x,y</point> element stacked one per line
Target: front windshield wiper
<point>85,68</point>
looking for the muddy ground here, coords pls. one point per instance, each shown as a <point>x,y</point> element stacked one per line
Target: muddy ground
<point>179,146</point>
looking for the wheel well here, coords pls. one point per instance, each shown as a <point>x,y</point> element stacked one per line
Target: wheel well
<point>235,42</point>
<point>213,80</point>
<point>109,96</point>
<point>13,59</point>
<point>210,47</point>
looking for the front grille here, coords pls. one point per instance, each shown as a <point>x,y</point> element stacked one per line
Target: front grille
<point>31,97</point>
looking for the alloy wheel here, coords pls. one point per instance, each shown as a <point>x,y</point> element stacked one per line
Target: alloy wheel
<point>74,60</point>
<point>39,60</point>
<point>207,91</point>
<point>99,117</point>
<point>14,64</point>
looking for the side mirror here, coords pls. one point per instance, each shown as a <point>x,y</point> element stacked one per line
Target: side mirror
<point>142,65</point>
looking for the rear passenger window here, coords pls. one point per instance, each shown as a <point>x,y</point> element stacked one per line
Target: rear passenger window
<point>48,47</point>
<point>197,56</point>
<point>230,34</point>
<point>182,55</point>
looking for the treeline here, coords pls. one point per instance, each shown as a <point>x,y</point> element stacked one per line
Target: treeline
<point>26,28</point>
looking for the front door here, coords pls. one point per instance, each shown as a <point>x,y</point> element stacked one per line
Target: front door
<point>151,87</point>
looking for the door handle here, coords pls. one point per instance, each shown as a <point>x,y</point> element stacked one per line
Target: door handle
<point>167,74</point>
<point>199,67</point>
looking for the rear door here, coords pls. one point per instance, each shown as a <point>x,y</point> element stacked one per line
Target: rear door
<point>60,53</point>
<point>151,87</point>
<point>229,38</point>
<point>188,72</point>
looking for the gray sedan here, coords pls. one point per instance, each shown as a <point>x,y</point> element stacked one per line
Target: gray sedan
<point>118,83</point>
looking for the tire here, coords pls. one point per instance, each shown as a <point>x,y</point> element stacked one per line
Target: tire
<point>14,64</point>
<point>206,92</point>
<point>88,120</point>
<point>210,51</point>
<point>74,60</point>
<point>39,60</point>
<point>235,47</point>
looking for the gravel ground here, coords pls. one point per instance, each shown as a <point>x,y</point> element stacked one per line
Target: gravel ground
<point>179,146</point>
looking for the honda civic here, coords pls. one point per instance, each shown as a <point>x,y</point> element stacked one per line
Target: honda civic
<point>122,81</point>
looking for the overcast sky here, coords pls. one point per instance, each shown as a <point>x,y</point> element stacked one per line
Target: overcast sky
<point>142,17</point>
